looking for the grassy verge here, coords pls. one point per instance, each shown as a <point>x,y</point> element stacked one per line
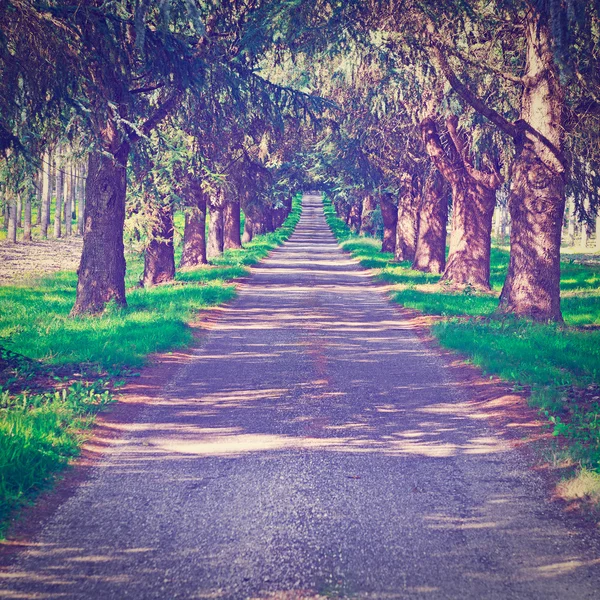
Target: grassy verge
<point>57,371</point>
<point>558,364</point>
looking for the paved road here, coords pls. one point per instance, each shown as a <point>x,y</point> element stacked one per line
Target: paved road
<point>313,448</point>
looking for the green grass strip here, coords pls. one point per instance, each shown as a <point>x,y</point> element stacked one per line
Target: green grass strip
<point>41,430</point>
<point>559,363</point>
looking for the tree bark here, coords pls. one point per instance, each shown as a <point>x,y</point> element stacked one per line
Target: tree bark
<point>248,226</point>
<point>19,210</point>
<point>159,258</point>
<point>194,235</point>
<point>537,196</point>
<point>406,224</point>
<point>259,221</point>
<point>572,221</point>
<point>69,190</point>
<point>430,253</point>
<point>39,185</point>
<point>268,216</point>
<point>81,199</point>
<point>389,214</point>
<point>342,210</point>
<point>597,230</point>
<point>215,227</point>
<point>27,219</point>
<point>44,213</point>
<point>231,224</point>
<point>102,268</point>
<point>60,180</point>
<point>367,225</point>
<point>12,218</point>
<point>355,215</point>
<point>473,201</point>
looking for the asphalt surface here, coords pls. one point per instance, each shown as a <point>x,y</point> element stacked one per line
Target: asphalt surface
<point>313,448</point>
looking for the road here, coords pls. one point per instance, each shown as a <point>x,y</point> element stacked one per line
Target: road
<point>313,448</point>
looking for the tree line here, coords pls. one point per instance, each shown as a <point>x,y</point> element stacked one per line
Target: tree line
<point>392,107</point>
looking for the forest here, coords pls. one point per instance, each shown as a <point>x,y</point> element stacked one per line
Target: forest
<point>456,143</point>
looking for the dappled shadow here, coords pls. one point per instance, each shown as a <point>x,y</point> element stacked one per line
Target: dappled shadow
<point>312,448</point>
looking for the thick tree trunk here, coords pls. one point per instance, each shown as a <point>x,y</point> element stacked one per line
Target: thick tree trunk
<point>60,180</point>
<point>102,268</point>
<point>44,213</point>
<point>355,215</point>
<point>231,224</point>
<point>215,228</point>
<point>159,258</point>
<point>597,246</point>
<point>389,214</point>
<point>367,225</point>
<point>430,253</point>
<point>406,224</point>
<point>473,201</point>
<point>537,195</point>
<point>470,235</point>
<point>27,220</point>
<point>194,235</point>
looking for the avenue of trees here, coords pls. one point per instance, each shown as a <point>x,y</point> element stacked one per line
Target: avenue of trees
<point>407,113</point>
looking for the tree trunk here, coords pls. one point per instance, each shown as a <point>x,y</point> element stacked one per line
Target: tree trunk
<point>430,253</point>
<point>248,226</point>
<point>12,218</point>
<point>259,222</point>
<point>27,219</point>
<point>406,224</point>
<point>19,210</point>
<point>194,235</point>
<point>473,201</point>
<point>60,180</point>
<point>39,185</point>
<point>571,222</point>
<point>598,229</point>
<point>102,268</point>
<point>585,228</point>
<point>69,190</point>
<point>342,210</point>
<point>269,220</point>
<point>44,213</point>
<point>231,224</point>
<point>367,226</point>
<point>81,203</point>
<point>537,196</point>
<point>389,214</point>
<point>355,215</point>
<point>159,258</point>
<point>215,228</point>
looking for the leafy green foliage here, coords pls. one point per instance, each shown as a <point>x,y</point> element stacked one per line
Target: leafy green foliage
<point>39,433</point>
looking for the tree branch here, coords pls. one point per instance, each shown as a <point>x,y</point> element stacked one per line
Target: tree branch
<point>440,62</point>
<point>487,67</point>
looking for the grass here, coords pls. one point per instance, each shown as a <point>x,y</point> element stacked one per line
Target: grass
<point>57,371</point>
<point>559,364</point>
